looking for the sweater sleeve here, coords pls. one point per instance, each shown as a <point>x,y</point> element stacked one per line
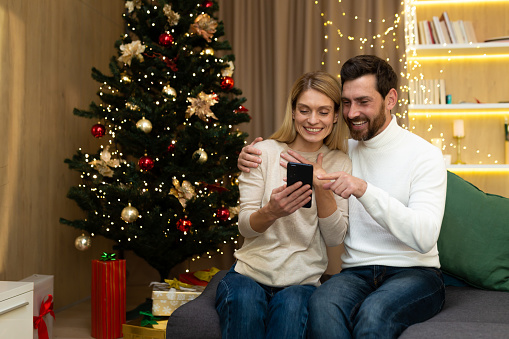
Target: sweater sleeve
<point>417,224</point>
<point>335,226</point>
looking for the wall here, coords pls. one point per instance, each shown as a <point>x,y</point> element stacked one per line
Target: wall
<point>48,50</point>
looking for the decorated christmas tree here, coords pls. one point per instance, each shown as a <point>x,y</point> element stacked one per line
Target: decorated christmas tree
<point>164,181</point>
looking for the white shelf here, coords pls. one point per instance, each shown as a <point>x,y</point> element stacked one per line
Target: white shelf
<point>472,166</point>
<point>466,106</point>
<point>480,49</point>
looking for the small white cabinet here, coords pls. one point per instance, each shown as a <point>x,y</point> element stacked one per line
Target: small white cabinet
<point>16,309</point>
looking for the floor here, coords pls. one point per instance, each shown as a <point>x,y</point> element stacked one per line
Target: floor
<point>75,321</point>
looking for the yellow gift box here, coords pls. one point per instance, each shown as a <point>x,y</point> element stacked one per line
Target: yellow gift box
<point>133,330</point>
<point>165,302</point>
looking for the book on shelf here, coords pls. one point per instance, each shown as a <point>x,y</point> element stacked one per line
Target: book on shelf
<point>445,17</point>
<point>438,30</point>
<point>426,92</point>
<point>498,39</point>
<point>441,30</point>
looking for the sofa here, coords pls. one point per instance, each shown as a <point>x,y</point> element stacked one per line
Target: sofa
<point>474,254</point>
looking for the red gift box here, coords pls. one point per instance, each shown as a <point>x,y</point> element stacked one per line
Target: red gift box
<point>108,298</point>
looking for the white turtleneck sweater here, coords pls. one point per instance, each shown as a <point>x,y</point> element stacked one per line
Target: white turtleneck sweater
<point>397,221</point>
<point>292,251</point>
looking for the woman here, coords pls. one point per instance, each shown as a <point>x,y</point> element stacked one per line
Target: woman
<point>284,254</point>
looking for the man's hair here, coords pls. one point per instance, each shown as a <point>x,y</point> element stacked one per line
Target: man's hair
<point>361,65</point>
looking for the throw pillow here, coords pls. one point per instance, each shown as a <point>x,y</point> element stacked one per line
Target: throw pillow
<point>474,239</point>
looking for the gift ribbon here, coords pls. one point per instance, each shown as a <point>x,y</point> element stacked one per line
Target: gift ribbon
<point>206,275</point>
<point>39,323</point>
<point>108,256</point>
<point>175,283</point>
<point>148,319</point>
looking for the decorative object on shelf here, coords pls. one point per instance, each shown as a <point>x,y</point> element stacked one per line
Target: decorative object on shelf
<point>108,298</point>
<point>144,125</point>
<point>129,213</point>
<point>506,143</point>
<point>458,133</point>
<point>83,242</point>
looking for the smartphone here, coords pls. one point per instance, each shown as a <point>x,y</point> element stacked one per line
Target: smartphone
<point>300,172</point>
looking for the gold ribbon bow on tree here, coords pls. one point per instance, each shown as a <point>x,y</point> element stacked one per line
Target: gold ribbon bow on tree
<point>182,193</point>
<point>201,106</point>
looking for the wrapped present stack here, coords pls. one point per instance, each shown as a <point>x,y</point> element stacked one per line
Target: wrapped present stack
<point>170,295</point>
<point>108,297</point>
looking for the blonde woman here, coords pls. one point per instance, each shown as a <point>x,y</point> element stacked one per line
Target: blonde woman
<point>265,293</point>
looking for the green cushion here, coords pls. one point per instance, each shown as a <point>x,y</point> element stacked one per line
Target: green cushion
<point>474,240</point>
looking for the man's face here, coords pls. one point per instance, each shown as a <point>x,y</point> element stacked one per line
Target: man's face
<point>364,109</point>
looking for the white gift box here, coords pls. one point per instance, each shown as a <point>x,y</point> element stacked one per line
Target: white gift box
<point>165,302</point>
<point>43,286</point>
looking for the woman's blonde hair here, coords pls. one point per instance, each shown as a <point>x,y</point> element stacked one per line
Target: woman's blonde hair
<point>324,83</point>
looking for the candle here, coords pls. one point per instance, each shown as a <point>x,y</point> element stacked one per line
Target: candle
<point>437,142</point>
<point>458,129</point>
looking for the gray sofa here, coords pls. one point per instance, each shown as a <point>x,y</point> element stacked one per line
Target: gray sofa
<point>474,254</point>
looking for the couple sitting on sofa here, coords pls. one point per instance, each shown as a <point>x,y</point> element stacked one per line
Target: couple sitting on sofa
<point>387,211</point>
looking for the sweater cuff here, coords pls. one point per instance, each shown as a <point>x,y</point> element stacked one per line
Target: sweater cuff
<point>245,228</point>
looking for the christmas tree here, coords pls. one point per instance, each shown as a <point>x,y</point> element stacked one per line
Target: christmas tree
<point>164,181</point>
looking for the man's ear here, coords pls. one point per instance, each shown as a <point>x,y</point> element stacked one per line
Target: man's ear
<point>391,99</point>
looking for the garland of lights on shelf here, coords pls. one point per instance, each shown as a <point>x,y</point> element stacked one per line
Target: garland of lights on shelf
<point>389,39</point>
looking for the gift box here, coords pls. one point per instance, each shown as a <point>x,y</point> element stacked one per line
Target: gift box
<point>43,305</point>
<point>108,298</point>
<point>165,302</point>
<point>133,330</point>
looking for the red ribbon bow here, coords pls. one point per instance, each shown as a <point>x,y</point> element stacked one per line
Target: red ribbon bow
<point>39,323</point>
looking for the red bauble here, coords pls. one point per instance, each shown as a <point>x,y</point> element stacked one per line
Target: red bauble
<point>184,225</point>
<point>165,39</point>
<point>223,213</point>
<point>241,109</point>
<point>227,83</point>
<point>98,130</point>
<point>146,163</point>
<point>207,4</point>
<point>171,148</point>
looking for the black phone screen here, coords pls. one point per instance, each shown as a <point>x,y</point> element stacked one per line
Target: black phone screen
<point>300,172</point>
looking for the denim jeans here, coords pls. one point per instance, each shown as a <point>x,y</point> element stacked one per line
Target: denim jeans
<point>375,301</point>
<point>249,310</point>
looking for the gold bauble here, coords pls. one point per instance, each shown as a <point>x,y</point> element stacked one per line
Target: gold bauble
<point>144,125</point>
<point>168,90</point>
<point>125,78</point>
<point>129,213</point>
<point>200,156</point>
<point>208,51</point>
<point>83,242</point>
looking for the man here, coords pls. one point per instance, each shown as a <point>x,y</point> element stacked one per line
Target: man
<point>390,276</point>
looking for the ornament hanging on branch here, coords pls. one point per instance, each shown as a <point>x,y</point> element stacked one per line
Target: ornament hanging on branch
<point>168,90</point>
<point>132,50</point>
<point>146,163</point>
<point>207,4</point>
<point>83,242</point>
<point>98,130</point>
<point>173,17</point>
<point>223,213</point>
<point>144,125</point>
<point>105,165</point>
<point>207,51</point>
<point>200,156</point>
<point>124,77</point>
<point>165,39</point>
<point>129,214</point>
<point>171,147</point>
<point>227,83</point>
<point>241,109</point>
<point>204,26</point>
<point>184,225</point>
<point>201,106</point>
<point>183,192</point>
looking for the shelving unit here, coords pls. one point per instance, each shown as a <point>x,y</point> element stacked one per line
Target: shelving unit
<point>477,78</point>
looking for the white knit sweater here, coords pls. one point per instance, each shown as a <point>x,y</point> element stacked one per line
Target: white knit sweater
<point>397,221</point>
<point>292,251</point>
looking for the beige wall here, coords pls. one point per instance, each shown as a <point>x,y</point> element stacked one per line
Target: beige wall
<point>48,50</point>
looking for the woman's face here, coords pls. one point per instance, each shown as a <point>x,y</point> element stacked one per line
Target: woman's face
<point>313,118</point>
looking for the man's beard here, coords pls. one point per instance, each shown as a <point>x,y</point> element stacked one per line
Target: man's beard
<point>373,126</point>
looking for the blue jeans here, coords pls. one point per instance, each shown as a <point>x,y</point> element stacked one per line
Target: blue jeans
<point>375,301</point>
<point>249,310</point>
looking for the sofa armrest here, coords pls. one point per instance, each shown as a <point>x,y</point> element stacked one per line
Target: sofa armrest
<point>197,318</point>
